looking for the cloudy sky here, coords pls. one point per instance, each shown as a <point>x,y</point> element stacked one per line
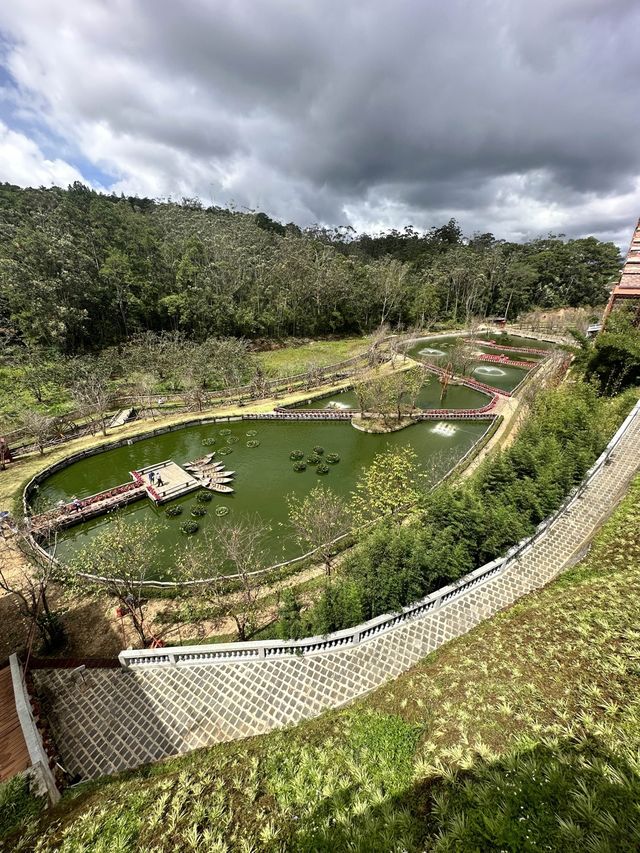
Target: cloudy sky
<point>513,116</point>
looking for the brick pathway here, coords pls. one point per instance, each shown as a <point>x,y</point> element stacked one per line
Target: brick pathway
<point>118,719</point>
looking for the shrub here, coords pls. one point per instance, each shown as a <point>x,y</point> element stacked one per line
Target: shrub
<point>204,497</point>
<point>322,468</point>
<point>189,527</point>
<point>295,455</point>
<point>313,459</point>
<point>198,511</point>
<point>173,511</point>
<point>318,450</point>
<point>300,466</point>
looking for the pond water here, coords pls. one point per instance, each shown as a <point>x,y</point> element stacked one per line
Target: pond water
<point>264,476</point>
<point>498,376</point>
<point>458,397</point>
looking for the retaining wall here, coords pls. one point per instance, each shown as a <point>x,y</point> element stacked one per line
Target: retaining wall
<point>269,649</point>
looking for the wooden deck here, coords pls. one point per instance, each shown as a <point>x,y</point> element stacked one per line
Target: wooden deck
<point>14,756</point>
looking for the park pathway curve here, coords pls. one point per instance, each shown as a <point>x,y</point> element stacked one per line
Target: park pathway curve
<point>116,719</point>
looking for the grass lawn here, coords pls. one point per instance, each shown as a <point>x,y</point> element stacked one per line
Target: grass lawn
<point>296,359</point>
<point>523,735</point>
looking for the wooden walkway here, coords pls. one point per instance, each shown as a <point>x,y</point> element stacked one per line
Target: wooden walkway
<point>14,756</point>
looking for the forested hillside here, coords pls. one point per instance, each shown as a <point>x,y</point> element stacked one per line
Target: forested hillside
<point>80,271</point>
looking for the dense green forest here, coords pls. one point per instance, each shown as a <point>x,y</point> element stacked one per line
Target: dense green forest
<point>80,271</point>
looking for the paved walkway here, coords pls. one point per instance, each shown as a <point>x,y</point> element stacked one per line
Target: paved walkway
<point>117,719</point>
<point>14,755</point>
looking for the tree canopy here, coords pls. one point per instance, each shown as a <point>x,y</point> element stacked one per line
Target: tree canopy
<point>81,270</point>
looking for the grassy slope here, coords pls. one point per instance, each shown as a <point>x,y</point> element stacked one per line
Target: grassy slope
<point>522,735</point>
<point>295,359</point>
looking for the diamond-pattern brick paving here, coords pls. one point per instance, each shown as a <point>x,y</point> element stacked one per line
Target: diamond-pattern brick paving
<point>119,719</point>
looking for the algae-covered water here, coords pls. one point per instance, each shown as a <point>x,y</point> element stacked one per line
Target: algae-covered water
<point>497,375</point>
<point>457,397</point>
<point>264,476</point>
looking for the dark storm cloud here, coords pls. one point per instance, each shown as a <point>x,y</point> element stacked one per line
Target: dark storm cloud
<point>515,117</point>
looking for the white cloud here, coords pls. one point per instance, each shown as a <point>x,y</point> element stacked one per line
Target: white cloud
<point>382,114</point>
<point>24,164</point>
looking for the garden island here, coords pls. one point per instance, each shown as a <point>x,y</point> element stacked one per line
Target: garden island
<point>250,474</point>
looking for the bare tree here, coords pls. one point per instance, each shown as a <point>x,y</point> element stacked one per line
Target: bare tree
<point>241,548</point>
<point>41,427</point>
<point>120,561</point>
<point>318,519</point>
<point>91,393</point>
<point>28,575</point>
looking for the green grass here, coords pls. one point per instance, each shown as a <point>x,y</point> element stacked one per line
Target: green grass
<point>18,806</point>
<point>15,399</point>
<point>523,735</point>
<point>296,359</point>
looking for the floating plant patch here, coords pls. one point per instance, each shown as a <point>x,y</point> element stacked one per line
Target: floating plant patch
<point>296,454</point>
<point>208,441</point>
<point>225,451</point>
<point>189,527</point>
<point>253,443</point>
<point>299,466</point>
<point>232,439</point>
<point>224,432</point>
<point>173,511</point>
<point>251,432</point>
<point>333,458</point>
<point>198,511</point>
<point>313,459</point>
<point>204,497</point>
<point>222,510</point>
<point>318,450</point>
<point>322,468</point>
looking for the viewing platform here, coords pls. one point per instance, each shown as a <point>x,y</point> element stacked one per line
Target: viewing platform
<point>161,482</point>
<point>165,481</point>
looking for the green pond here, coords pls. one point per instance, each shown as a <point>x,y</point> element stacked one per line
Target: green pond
<point>458,397</point>
<point>264,476</point>
<point>498,376</point>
